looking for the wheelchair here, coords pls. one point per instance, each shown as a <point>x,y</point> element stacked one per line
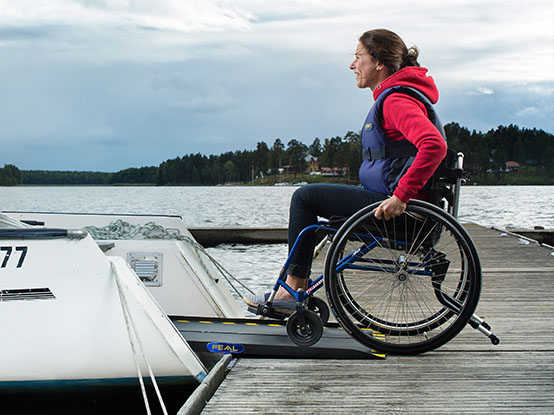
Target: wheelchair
<point>403,286</point>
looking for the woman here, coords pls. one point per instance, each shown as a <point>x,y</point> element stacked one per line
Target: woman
<point>403,145</point>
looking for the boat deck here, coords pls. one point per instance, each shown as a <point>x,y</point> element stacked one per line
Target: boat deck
<point>468,375</point>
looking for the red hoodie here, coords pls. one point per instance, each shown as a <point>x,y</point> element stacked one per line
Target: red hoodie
<point>406,117</point>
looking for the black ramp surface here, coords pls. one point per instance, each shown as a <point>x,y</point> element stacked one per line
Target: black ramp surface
<point>266,338</point>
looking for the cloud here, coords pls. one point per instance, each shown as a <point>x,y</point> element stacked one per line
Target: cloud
<point>528,111</point>
<point>484,90</point>
<point>11,33</point>
<point>209,102</point>
<point>138,31</point>
<point>481,90</point>
<point>509,104</point>
<point>486,40</point>
<point>185,76</point>
<point>310,83</point>
<point>170,15</point>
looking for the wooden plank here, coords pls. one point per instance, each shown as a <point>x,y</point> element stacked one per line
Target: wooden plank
<point>468,375</point>
<point>439,382</point>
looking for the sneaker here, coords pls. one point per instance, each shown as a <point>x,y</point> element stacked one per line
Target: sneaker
<point>286,307</point>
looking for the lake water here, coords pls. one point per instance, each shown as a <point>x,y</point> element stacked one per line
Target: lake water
<point>499,206</point>
<point>257,266</point>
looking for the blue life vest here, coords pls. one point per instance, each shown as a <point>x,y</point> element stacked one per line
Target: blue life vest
<point>386,161</point>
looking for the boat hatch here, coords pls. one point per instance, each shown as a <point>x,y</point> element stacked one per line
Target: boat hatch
<point>147,266</point>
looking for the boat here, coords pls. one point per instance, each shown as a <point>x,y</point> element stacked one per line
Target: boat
<point>98,304</point>
<point>79,311</point>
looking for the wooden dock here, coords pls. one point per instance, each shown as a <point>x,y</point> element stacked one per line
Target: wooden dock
<point>468,375</point>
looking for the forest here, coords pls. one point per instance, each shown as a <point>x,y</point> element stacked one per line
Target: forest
<point>486,155</point>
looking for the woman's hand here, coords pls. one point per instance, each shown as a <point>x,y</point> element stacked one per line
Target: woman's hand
<point>390,208</point>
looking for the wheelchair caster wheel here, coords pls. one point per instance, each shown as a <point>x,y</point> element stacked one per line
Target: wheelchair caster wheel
<point>305,334</point>
<point>321,308</point>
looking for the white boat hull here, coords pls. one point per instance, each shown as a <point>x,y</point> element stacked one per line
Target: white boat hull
<point>187,284</point>
<point>62,309</point>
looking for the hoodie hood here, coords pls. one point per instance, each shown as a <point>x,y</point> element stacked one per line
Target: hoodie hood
<point>413,76</point>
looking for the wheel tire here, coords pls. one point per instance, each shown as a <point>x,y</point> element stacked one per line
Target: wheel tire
<point>308,335</point>
<point>355,292</point>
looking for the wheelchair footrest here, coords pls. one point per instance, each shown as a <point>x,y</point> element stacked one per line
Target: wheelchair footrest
<point>266,311</point>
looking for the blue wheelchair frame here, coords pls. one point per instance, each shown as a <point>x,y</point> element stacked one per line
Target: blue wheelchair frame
<point>348,262</point>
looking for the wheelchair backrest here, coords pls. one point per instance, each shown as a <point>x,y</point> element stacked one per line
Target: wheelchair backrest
<point>444,185</point>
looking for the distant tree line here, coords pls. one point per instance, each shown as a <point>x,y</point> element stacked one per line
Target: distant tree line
<point>244,166</point>
<point>10,175</point>
<point>43,177</point>
<point>485,157</point>
<point>487,153</point>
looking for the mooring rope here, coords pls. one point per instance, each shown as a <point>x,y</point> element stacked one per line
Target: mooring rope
<point>131,333</point>
<point>120,229</point>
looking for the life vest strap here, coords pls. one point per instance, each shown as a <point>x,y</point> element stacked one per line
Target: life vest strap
<point>406,149</point>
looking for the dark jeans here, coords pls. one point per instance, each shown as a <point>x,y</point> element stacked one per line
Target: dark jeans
<point>323,200</point>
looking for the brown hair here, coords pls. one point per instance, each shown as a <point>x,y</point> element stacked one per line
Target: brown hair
<point>388,48</point>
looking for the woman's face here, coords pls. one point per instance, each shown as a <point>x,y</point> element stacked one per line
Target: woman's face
<point>366,69</point>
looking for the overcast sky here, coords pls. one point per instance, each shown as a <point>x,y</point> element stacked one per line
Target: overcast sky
<point>105,85</point>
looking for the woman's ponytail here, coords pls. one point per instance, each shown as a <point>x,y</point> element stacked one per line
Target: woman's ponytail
<point>410,59</point>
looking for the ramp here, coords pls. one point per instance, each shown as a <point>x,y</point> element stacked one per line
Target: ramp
<point>266,339</point>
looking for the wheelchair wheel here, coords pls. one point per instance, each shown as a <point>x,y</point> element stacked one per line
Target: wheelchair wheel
<point>307,334</point>
<point>403,286</point>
